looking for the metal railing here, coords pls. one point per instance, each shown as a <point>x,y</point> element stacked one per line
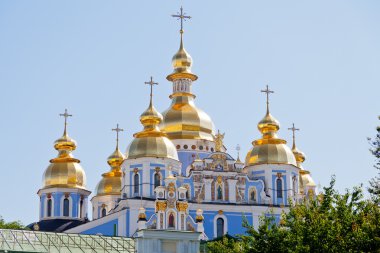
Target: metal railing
<point>36,241</point>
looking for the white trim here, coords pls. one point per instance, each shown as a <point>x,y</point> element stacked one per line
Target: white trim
<point>52,207</point>
<point>225,227</point>
<point>282,188</point>
<point>175,214</point>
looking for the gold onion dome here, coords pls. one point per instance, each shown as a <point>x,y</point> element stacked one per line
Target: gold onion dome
<point>269,149</point>
<point>151,141</point>
<point>64,170</point>
<point>299,155</point>
<point>183,120</point>
<point>110,184</point>
<point>182,63</point>
<point>111,181</point>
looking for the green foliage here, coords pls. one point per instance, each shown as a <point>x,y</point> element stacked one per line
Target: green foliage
<point>11,225</point>
<point>224,245</point>
<point>374,188</point>
<point>331,222</point>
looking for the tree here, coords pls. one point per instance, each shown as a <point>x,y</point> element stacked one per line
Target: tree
<point>10,225</point>
<point>331,222</point>
<point>374,188</point>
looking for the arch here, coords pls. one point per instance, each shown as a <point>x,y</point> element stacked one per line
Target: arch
<point>219,192</point>
<point>294,186</point>
<point>136,182</point>
<point>219,227</point>
<point>104,212</point>
<point>157,179</point>
<point>279,187</point>
<point>66,207</point>
<point>252,194</point>
<point>171,220</point>
<point>49,207</point>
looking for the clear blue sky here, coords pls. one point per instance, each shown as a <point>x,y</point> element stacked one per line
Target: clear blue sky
<point>322,58</point>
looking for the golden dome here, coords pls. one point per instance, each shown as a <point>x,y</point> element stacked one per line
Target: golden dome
<point>110,184</point>
<point>111,181</point>
<point>151,142</point>
<point>269,149</point>
<point>182,63</point>
<point>299,155</point>
<point>64,170</point>
<point>183,120</point>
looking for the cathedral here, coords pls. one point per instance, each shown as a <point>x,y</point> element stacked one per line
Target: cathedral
<point>176,173</point>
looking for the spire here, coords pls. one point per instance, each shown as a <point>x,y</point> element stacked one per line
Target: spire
<point>116,158</point>
<point>293,129</point>
<point>267,91</point>
<point>268,126</point>
<point>182,60</point>
<point>238,148</point>
<point>299,155</point>
<point>151,83</point>
<point>117,130</point>
<point>181,16</point>
<point>150,118</point>
<point>65,144</point>
<point>65,115</point>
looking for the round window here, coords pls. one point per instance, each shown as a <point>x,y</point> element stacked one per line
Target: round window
<point>185,147</point>
<point>200,147</point>
<point>193,147</point>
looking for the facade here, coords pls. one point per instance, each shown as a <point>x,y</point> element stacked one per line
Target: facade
<point>176,174</point>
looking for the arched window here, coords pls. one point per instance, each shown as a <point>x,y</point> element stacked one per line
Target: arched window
<point>157,180</point>
<point>81,208</point>
<point>104,212</point>
<point>136,183</point>
<point>219,227</point>
<point>66,207</point>
<point>49,207</point>
<point>171,220</point>
<point>279,188</point>
<point>294,186</point>
<point>220,193</point>
<point>253,195</point>
<point>187,194</point>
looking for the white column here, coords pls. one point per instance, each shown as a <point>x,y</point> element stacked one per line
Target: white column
<point>208,189</point>
<point>232,190</point>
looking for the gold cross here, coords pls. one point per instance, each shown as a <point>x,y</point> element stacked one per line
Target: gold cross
<point>66,115</point>
<point>267,91</point>
<point>117,130</point>
<point>182,16</point>
<point>151,83</point>
<point>293,129</point>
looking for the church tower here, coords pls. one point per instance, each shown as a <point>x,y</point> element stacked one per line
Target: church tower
<point>190,128</point>
<point>108,190</point>
<point>63,196</point>
<point>271,159</point>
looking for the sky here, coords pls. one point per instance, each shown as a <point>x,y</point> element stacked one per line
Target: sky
<point>322,59</point>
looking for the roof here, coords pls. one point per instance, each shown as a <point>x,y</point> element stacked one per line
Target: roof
<point>33,241</point>
<point>56,225</point>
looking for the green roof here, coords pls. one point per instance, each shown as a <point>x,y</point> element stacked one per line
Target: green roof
<point>35,241</point>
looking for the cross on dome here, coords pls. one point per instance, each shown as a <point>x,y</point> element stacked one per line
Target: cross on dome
<point>294,129</point>
<point>65,115</point>
<point>117,130</point>
<point>181,16</point>
<point>151,83</point>
<point>267,91</point>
